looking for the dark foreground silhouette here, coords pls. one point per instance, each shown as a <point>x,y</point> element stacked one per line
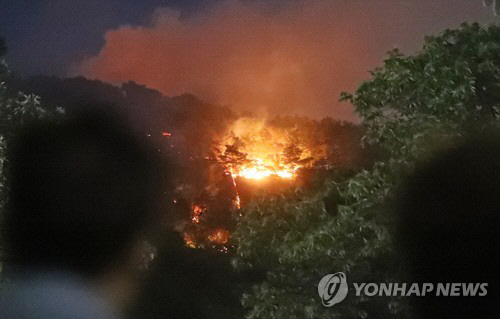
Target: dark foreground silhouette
<point>82,200</point>
<point>449,227</point>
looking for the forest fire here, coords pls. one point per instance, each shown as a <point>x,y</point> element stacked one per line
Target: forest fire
<point>243,150</point>
<point>254,158</point>
<point>253,150</point>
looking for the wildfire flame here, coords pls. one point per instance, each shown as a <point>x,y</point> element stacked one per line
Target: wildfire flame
<point>257,169</point>
<point>253,150</point>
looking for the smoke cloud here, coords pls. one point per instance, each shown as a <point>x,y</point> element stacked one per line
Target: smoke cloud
<point>295,58</point>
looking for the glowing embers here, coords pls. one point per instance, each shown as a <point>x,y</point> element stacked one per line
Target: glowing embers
<point>189,240</point>
<point>219,236</point>
<point>196,212</point>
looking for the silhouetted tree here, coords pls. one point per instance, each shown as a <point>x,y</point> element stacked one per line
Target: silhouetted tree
<point>16,110</point>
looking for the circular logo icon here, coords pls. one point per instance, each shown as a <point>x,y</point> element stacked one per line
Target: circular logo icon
<point>332,289</point>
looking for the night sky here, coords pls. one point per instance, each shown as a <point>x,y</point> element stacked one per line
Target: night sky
<point>281,56</point>
<point>47,36</point>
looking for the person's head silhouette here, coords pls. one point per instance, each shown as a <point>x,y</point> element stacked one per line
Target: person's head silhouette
<point>82,193</point>
<point>449,227</point>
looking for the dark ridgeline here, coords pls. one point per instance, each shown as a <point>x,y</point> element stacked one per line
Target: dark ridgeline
<point>186,117</point>
<point>194,124</point>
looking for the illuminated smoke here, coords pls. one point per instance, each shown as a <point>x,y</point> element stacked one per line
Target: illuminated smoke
<point>293,59</point>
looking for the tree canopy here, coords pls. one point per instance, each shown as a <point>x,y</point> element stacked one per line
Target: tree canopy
<point>408,106</point>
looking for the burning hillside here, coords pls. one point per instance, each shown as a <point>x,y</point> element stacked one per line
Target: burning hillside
<point>253,156</point>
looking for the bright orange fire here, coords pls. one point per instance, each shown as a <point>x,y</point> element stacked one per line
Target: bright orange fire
<point>254,151</point>
<point>257,169</point>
